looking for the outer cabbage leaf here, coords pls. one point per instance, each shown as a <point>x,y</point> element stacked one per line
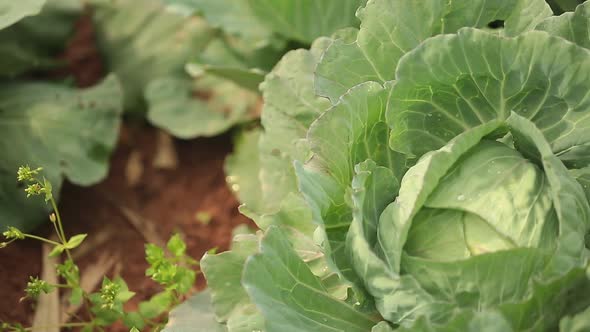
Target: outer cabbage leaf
<point>306,20</point>
<point>69,132</point>
<point>194,315</point>
<point>225,272</point>
<point>456,82</point>
<point>234,17</point>
<point>382,327</point>
<point>147,42</point>
<point>237,60</point>
<point>577,323</point>
<point>583,177</point>
<point>201,107</point>
<point>242,168</point>
<point>390,29</point>
<point>290,106</point>
<point>291,297</point>
<point>486,321</point>
<point>499,320</point>
<point>13,11</point>
<point>571,26</point>
<point>229,298</point>
<point>358,123</point>
<point>34,42</point>
<point>281,204</point>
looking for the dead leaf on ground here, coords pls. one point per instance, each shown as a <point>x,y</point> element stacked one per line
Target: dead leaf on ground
<point>144,226</point>
<point>166,156</point>
<point>92,242</point>
<point>134,169</point>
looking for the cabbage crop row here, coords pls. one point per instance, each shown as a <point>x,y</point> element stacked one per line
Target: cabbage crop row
<point>425,172</point>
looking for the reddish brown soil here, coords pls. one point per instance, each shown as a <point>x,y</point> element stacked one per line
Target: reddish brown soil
<point>166,200</point>
<point>81,55</point>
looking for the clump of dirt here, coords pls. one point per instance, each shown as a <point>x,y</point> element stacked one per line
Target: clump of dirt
<point>81,55</point>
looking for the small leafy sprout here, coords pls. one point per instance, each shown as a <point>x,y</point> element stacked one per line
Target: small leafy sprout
<point>36,286</point>
<point>12,327</point>
<point>176,246</point>
<point>108,293</point>
<point>171,271</point>
<point>69,271</point>
<point>25,173</point>
<point>13,234</point>
<point>37,187</point>
<point>170,268</point>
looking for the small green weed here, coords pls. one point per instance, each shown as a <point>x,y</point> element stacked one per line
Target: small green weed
<point>170,267</point>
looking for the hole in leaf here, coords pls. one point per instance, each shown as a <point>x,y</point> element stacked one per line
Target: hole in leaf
<point>497,24</point>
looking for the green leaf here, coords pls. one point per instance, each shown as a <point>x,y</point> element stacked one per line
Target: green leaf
<point>291,297</point>
<point>233,17</point>
<point>34,43</point>
<point>184,280</point>
<point>373,188</point>
<point>224,273</point>
<point>13,11</point>
<point>390,29</point>
<point>242,168</point>
<point>48,189</point>
<point>207,106</point>
<point>247,78</point>
<point>237,60</point>
<point>300,19</point>
<point>485,321</point>
<point>360,118</point>
<point>57,250</point>
<point>69,132</point>
<point>577,323</point>
<point>134,319</point>
<point>176,245</point>
<point>147,42</point>
<point>571,26</point>
<point>77,296</point>
<point>456,82</point>
<point>290,106</point>
<point>582,175</point>
<point>194,315</point>
<point>75,241</point>
<point>569,200</point>
<point>382,327</point>
<point>156,305</point>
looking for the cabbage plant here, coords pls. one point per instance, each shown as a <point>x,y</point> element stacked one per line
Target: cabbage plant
<point>195,65</point>
<point>426,172</point>
<point>71,132</point>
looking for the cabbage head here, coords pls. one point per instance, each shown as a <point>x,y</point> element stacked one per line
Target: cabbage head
<point>490,225</point>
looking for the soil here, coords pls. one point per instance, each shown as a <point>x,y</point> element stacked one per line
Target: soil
<point>164,200</point>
